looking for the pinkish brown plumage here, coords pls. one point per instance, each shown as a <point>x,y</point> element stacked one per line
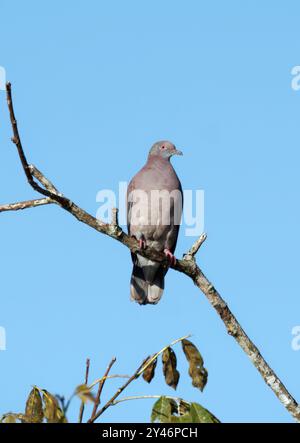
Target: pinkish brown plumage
<point>152,220</point>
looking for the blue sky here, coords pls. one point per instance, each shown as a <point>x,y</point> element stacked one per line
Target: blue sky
<point>95,84</point>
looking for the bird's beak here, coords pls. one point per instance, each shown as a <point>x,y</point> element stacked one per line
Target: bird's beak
<point>177,152</point>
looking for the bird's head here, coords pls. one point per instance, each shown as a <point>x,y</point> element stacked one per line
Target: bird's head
<point>164,149</point>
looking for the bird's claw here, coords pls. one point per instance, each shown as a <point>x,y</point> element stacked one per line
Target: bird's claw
<point>170,257</point>
<point>142,244</point>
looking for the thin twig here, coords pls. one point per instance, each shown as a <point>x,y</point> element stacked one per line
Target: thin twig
<point>100,387</point>
<point>26,204</point>
<point>187,266</point>
<point>87,369</point>
<point>145,397</point>
<point>104,378</point>
<point>196,246</point>
<point>119,391</point>
<point>137,373</point>
<point>16,138</point>
<point>26,167</point>
<point>114,217</point>
<point>42,179</point>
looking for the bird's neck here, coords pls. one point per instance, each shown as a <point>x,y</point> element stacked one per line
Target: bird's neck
<point>159,161</point>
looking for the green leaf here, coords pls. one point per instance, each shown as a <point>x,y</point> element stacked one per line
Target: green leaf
<point>201,415</point>
<point>196,369</point>
<point>52,411</point>
<point>171,374</point>
<point>186,418</point>
<point>167,410</point>
<point>149,372</point>
<point>34,407</point>
<point>162,410</point>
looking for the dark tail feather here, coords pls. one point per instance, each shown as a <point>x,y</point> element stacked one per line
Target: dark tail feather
<point>144,292</point>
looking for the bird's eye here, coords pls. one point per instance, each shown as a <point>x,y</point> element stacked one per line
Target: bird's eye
<point>163,147</point>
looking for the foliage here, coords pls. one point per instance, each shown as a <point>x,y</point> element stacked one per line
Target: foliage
<point>40,406</point>
<point>168,410</point>
<point>44,407</point>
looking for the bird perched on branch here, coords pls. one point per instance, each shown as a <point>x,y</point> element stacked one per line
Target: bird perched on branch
<point>154,208</point>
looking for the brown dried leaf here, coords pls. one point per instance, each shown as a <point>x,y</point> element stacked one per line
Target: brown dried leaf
<point>149,372</point>
<point>171,374</point>
<point>11,417</point>
<point>52,411</point>
<point>8,418</point>
<point>183,407</point>
<point>196,370</point>
<point>34,407</point>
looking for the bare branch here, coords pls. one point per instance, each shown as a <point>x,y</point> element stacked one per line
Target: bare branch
<point>42,179</point>
<point>87,369</point>
<point>100,387</point>
<point>119,391</point>
<point>136,375</point>
<point>196,246</point>
<point>187,266</point>
<point>16,138</point>
<point>26,204</point>
<point>114,217</point>
<point>107,377</point>
<point>145,397</point>
<point>17,141</point>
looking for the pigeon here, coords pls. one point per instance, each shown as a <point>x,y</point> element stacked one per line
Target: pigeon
<point>154,208</point>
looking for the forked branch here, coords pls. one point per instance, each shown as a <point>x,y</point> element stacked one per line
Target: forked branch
<point>187,265</point>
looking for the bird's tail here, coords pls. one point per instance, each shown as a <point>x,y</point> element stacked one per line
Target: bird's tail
<point>143,291</point>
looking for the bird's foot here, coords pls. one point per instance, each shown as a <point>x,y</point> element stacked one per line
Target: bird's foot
<point>142,244</point>
<point>170,257</point>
